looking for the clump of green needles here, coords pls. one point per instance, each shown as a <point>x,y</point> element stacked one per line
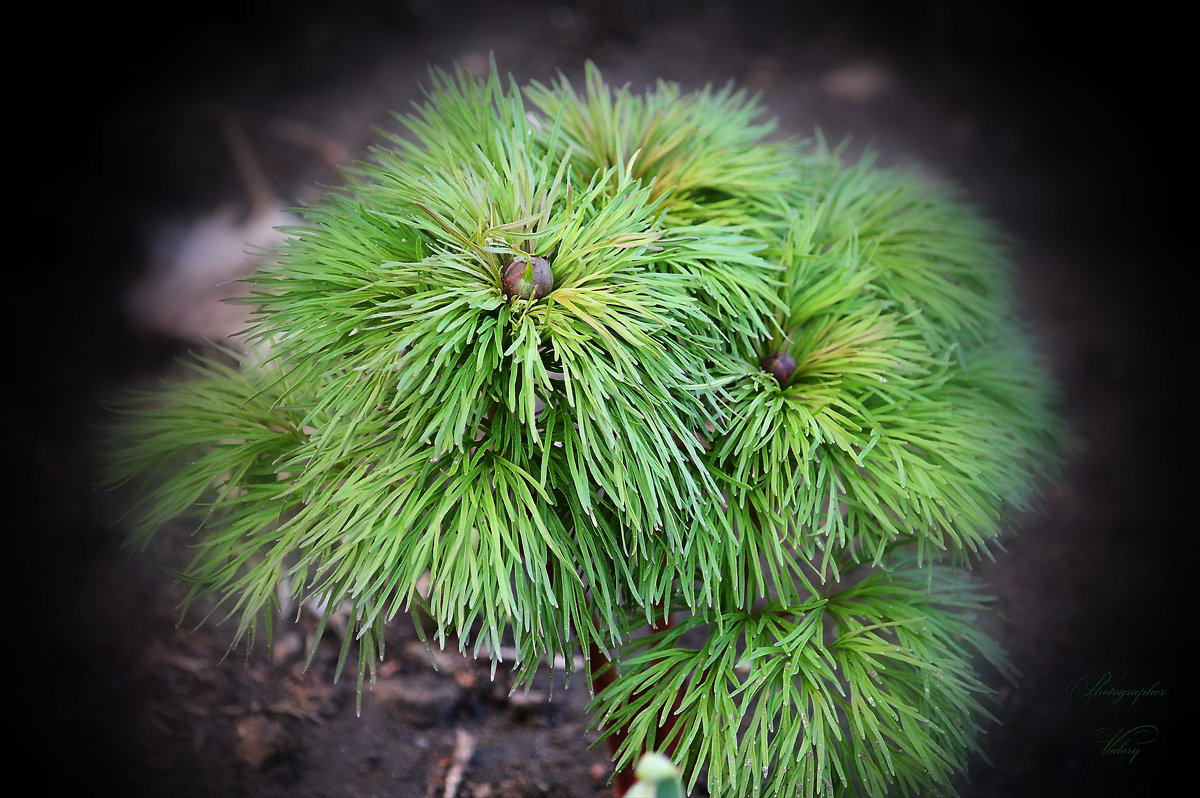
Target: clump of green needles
<point>581,370</point>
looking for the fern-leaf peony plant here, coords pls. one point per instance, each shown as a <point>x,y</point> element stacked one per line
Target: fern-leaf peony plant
<point>588,371</point>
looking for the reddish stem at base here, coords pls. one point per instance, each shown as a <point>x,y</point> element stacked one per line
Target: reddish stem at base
<point>664,741</point>
<point>602,677</point>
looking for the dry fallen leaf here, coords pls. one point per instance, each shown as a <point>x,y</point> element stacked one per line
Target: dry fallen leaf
<point>426,691</point>
<point>196,267</point>
<point>258,740</point>
<point>310,699</point>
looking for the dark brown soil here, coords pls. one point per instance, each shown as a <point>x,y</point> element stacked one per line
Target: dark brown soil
<point>1066,128</point>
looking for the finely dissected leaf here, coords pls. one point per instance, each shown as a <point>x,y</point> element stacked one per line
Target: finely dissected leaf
<point>870,689</point>
<point>562,469</point>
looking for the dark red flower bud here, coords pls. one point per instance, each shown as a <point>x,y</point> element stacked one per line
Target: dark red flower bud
<point>781,365</point>
<point>527,278</point>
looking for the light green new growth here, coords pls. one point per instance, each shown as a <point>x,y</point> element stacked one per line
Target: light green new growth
<point>657,777</point>
<point>569,470</point>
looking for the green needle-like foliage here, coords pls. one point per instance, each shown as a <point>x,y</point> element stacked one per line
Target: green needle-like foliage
<point>570,466</point>
<point>867,689</point>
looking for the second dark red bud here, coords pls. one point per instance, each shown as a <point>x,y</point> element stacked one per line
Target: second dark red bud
<point>781,365</point>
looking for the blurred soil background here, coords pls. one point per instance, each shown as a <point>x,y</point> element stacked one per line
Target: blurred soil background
<point>156,142</point>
